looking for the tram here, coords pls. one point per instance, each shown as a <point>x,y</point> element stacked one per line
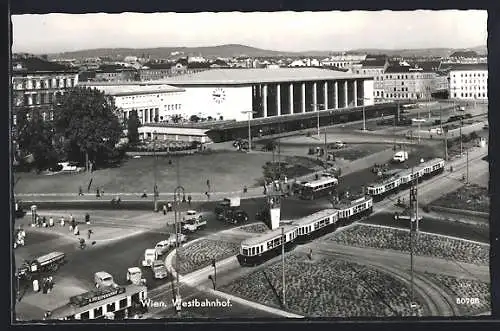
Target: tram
<point>318,188</point>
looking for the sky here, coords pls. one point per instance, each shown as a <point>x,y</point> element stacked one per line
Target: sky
<point>281,31</point>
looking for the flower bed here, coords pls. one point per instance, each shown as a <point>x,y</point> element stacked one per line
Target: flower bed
<point>200,254</point>
<point>255,228</point>
<point>426,245</point>
<point>469,197</point>
<point>326,287</point>
<point>466,289</point>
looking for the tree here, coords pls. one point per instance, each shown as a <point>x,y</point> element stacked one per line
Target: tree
<point>88,123</point>
<point>36,136</point>
<point>133,125</point>
<point>194,118</point>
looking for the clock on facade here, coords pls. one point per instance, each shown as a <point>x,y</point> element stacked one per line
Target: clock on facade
<point>219,95</point>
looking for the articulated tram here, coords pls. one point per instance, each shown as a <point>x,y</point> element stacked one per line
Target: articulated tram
<point>259,249</point>
<point>402,180</point>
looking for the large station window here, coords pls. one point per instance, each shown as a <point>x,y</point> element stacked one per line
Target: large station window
<point>85,315</point>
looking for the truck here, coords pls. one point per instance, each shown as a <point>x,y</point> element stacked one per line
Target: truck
<point>194,224</point>
<point>400,157</point>
<point>228,210</point>
<point>45,263</point>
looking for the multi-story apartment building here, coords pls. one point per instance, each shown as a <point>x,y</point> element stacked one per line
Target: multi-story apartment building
<point>374,65</point>
<point>38,84</point>
<point>112,74</point>
<point>408,82</point>
<point>468,81</point>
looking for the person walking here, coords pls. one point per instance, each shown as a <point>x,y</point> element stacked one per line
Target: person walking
<point>189,200</point>
<point>80,191</point>
<point>89,233</point>
<point>164,209</point>
<point>183,198</point>
<point>97,193</point>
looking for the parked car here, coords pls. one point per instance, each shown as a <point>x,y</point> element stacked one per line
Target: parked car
<point>173,238</point>
<point>162,247</point>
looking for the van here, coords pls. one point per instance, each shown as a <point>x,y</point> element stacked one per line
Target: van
<point>400,157</point>
<point>134,275</point>
<point>150,255</point>
<point>103,279</point>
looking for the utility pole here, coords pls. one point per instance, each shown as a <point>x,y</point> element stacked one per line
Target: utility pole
<point>326,151</point>
<point>461,142</point>
<point>467,166</point>
<point>283,262</point>
<point>155,187</point>
<point>315,105</point>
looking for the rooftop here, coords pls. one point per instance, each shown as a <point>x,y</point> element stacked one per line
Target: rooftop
<point>411,68</point>
<point>35,64</point>
<point>268,236</point>
<point>464,67</point>
<point>119,90</point>
<point>351,202</point>
<point>315,217</point>
<point>250,76</point>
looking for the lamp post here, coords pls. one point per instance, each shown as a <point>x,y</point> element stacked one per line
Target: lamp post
<point>283,263</point>
<point>250,113</point>
<point>178,194</point>
<point>315,105</point>
<point>155,187</point>
<point>364,116</point>
<point>461,141</point>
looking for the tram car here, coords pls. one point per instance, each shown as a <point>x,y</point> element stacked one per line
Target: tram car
<point>254,251</point>
<point>353,209</point>
<point>316,225</point>
<point>402,180</point>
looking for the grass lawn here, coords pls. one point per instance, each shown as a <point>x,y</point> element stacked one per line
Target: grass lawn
<point>227,172</point>
<point>469,197</point>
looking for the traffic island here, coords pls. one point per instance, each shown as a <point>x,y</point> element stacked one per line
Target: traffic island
<point>254,228</point>
<point>471,197</point>
<point>199,254</point>
<point>427,244</point>
<point>326,287</point>
<point>473,296</point>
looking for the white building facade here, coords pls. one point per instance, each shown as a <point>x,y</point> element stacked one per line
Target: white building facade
<point>468,82</point>
<point>408,83</point>
<point>153,103</point>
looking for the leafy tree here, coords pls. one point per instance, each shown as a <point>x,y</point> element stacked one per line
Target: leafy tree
<point>133,125</point>
<point>36,136</point>
<point>88,123</point>
<point>194,118</point>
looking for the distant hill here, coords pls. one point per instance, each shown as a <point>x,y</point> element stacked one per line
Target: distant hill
<point>233,50</point>
<point>427,52</point>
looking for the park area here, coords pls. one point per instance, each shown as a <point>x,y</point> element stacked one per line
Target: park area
<point>465,288</point>
<point>431,245</point>
<point>469,197</point>
<point>326,287</point>
<point>226,171</point>
<point>199,254</point>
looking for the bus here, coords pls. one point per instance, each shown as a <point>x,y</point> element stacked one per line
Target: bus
<point>113,302</point>
<point>319,188</point>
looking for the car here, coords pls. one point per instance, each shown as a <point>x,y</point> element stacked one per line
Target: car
<point>172,239</point>
<point>162,247</point>
<point>339,144</point>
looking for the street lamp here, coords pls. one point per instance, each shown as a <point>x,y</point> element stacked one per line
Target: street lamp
<point>178,194</point>
<point>155,187</point>
<point>250,113</point>
<point>315,105</point>
<point>364,116</point>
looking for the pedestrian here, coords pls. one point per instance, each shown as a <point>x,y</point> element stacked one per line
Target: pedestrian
<point>89,233</point>
<point>102,191</point>
<point>76,231</point>
<point>80,191</point>
<point>164,209</point>
<point>184,198</point>
<point>189,199</point>
<point>97,193</point>
<point>87,218</point>
<point>208,195</point>
<point>169,206</point>
<point>51,222</point>
<point>245,189</point>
